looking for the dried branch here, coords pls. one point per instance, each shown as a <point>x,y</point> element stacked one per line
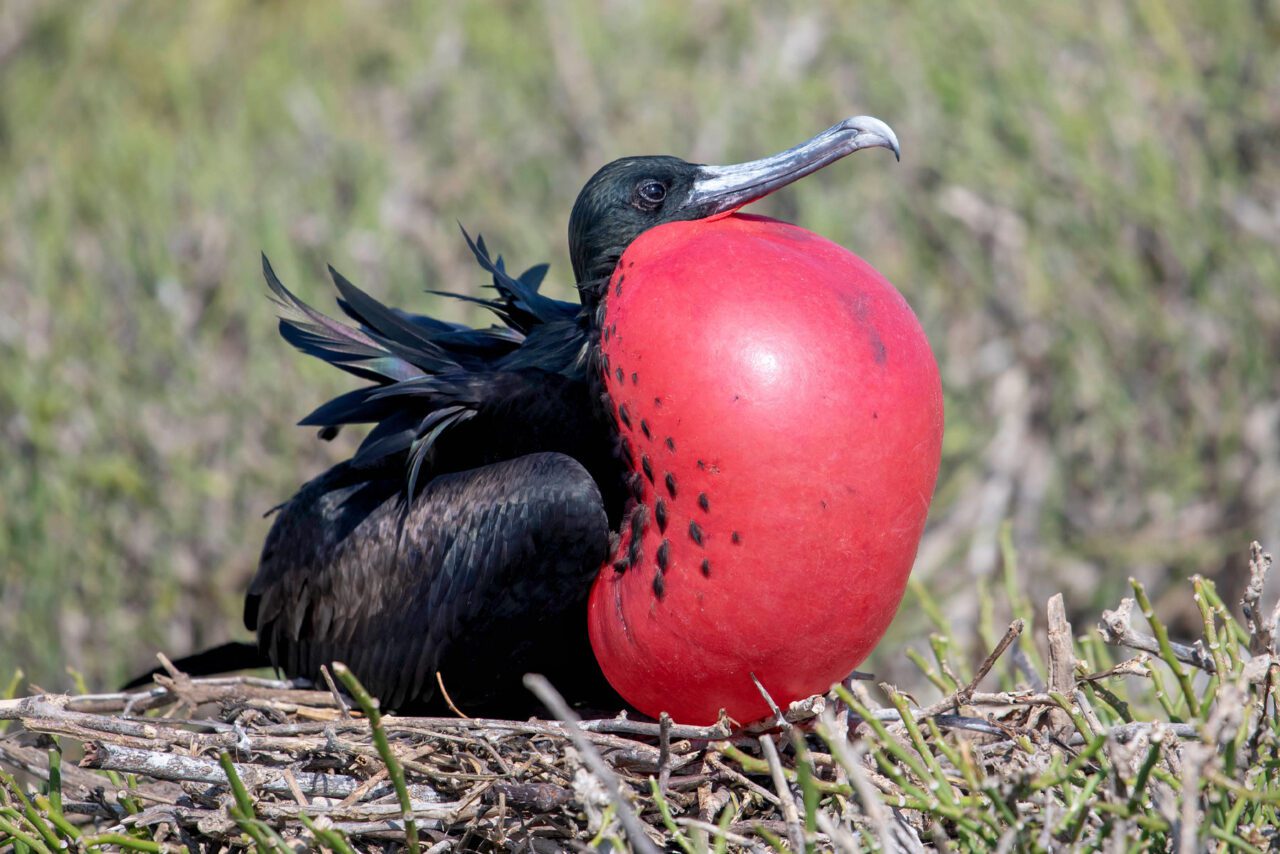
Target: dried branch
<point>790,814</point>
<point>1262,632</point>
<point>851,759</point>
<point>309,772</point>
<point>555,703</point>
<point>1115,630</point>
<point>1062,661</point>
<point>966,695</point>
<point>105,756</point>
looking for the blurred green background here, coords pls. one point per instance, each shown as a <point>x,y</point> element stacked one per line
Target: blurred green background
<point>1086,218</point>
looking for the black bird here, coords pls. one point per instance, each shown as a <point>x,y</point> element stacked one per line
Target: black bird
<point>463,536</point>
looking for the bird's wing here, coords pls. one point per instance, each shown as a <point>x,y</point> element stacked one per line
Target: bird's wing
<point>518,304</point>
<point>429,375</point>
<point>490,574</point>
<point>389,345</point>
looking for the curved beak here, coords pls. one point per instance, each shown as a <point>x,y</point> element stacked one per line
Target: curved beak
<point>722,189</point>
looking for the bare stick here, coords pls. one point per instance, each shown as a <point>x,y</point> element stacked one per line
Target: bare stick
<point>1010,635</point>
<point>394,769</point>
<point>1062,661</point>
<point>1194,763</point>
<point>664,752</point>
<point>789,812</point>
<point>333,689</point>
<point>773,707</point>
<point>742,780</point>
<point>966,695</point>
<point>1115,630</point>
<point>204,690</point>
<point>1260,630</point>
<point>444,692</point>
<point>623,726</point>
<point>178,768</point>
<point>551,698</point>
<point>850,758</point>
<point>715,831</point>
<point>843,840</point>
<point>192,816</point>
<point>35,762</point>
<point>1022,662</point>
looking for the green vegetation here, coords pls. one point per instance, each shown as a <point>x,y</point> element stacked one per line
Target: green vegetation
<point>1114,739</point>
<point>1085,218</point>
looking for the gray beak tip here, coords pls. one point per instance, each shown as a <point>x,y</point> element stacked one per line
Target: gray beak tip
<point>870,132</point>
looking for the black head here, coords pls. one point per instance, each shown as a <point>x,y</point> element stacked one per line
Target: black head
<point>623,200</point>
<point>632,195</point>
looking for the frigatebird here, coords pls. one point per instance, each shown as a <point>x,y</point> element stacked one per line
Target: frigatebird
<point>459,544</point>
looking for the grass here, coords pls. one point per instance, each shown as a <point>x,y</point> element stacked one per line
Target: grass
<point>1084,219</point>
<point>1141,744</point>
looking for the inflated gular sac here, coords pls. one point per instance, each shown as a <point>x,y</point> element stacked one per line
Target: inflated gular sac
<point>780,405</point>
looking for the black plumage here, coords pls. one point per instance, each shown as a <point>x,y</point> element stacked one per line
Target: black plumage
<point>492,565</point>
<point>463,535</point>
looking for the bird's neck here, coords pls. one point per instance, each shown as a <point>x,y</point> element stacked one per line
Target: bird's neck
<point>591,290</point>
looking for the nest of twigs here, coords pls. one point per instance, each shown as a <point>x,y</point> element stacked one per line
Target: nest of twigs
<point>1165,746</point>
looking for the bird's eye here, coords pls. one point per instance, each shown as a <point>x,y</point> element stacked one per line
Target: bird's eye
<point>650,193</point>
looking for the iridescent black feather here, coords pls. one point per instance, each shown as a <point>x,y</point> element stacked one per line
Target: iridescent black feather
<point>463,534</point>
